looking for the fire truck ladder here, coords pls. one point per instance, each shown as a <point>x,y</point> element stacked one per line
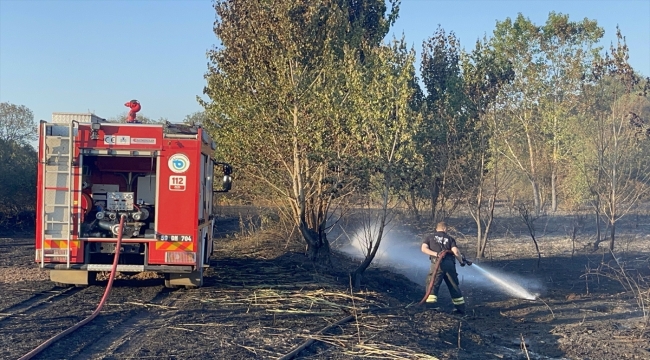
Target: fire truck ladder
<point>56,212</point>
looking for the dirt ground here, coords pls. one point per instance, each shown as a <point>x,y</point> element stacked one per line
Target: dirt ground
<point>262,298</point>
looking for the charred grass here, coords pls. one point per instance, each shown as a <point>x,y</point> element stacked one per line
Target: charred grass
<point>263,299</point>
<point>591,307</point>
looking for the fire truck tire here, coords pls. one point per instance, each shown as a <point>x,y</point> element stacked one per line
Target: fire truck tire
<point>192,280</point>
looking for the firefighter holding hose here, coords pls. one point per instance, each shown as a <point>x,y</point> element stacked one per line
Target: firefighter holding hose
<point>443,252</point>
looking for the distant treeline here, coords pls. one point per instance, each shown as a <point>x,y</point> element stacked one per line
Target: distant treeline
<point>17,186</point>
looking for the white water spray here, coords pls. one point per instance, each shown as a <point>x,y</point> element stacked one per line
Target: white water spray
<point>400,252</point>
<point>511,288</point>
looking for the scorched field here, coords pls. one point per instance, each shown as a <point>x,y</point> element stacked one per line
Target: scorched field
<point>263,299</point>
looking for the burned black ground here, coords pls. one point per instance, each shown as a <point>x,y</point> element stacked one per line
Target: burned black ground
<point>262,297</point>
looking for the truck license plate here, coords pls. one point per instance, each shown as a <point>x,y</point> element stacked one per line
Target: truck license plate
<point>161,237</point>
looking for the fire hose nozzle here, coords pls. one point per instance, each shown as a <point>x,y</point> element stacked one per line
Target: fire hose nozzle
<point>466,262</point>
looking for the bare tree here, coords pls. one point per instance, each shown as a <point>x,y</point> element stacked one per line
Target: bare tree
<point>482,202</point>
<point>623,171</point>
<point>529,219</point>
<point>622,174</point>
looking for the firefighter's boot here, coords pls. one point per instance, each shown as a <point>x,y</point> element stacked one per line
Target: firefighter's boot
<point>459,309</point>
<point>432,302</point>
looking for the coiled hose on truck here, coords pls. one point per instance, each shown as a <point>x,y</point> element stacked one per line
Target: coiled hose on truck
<point>85,321</point>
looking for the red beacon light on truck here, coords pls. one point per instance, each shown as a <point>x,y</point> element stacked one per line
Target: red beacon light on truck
<point>161,176</point>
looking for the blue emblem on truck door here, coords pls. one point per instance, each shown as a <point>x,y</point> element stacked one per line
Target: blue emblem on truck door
<point>178,163</point>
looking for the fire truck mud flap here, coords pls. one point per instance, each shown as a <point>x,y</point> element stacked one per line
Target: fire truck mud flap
<point>189,281</point>
<point>72,277</point>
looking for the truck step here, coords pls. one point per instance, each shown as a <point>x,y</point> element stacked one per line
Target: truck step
<point>107,267</point>
<point>57,255</point>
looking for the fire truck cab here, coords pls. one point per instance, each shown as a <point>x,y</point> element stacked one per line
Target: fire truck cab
<point>160,176</point>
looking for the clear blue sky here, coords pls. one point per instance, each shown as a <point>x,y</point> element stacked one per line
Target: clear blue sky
<point>82,55</point>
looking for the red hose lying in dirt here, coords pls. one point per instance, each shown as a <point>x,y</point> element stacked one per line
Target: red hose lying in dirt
<point>85,321</point>
<point>441,255</point>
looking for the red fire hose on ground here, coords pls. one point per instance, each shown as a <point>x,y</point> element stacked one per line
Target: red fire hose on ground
<point>85,321</point>
<point>441,255</point>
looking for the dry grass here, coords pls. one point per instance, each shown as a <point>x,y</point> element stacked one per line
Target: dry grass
<point>386,351</point>
<point>634,277</point>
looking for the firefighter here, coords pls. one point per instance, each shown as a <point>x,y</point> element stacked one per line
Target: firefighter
<point>433,245</point>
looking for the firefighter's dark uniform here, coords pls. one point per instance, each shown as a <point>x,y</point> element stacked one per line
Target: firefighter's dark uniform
<point>438,242</point>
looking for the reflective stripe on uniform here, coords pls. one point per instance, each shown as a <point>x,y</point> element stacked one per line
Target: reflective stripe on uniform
<point>432,299</point>
<point>458,301</point>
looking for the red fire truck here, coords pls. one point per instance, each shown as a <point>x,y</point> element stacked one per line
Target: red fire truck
<point>92,172</point>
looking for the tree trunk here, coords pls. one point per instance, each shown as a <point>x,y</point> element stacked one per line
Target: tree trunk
<point>536,197</point>
<point>598,236</point>
<point>479,236</point>
<point>554,167</point>
<point>357,277</point>
<point>554,189</point>
<point>358,273</point>
<point>612,236</point>
<point>488,224</point>
<point>490,214</point>
<point>435,192</point>
<point>318,247</point>
<point>414,205</point>
<point>477,219</point>
<point>533,171</point>
<point>373,247</point>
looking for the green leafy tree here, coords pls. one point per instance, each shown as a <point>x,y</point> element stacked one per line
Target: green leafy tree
<point>16,123</point>
<point>279,99</point>
<point>480,180</point>
<point>196,118</point>
<point>550,64</point>
<point>17,182</point>
<point>18,178</point>
<point>518,129</point>
<point>568,49</point>
<point>445,126</point>
<point>383,121</point>
<point>411,168</point>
